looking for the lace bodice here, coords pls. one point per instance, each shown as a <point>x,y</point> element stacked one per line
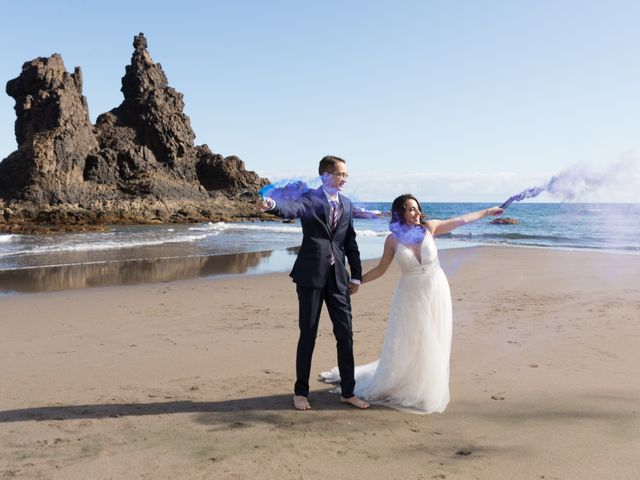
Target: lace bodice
<point>409,263</point>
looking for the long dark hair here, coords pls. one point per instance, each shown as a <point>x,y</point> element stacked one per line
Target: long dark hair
<point>398,226</point>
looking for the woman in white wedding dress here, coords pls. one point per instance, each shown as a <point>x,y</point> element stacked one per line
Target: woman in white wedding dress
<point>413,370</point>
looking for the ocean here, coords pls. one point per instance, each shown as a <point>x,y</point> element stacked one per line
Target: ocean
<point>151,253</point>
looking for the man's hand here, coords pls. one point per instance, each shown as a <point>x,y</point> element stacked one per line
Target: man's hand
<point>353,288</point>
<point>265,203</point>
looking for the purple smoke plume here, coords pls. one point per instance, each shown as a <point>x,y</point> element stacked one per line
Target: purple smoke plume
<point>576,182</point>
<point>287,188</point>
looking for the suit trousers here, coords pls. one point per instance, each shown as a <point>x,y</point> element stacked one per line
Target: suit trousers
<point>339,306</point>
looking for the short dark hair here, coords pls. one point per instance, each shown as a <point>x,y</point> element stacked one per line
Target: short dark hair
<point>328,164</point>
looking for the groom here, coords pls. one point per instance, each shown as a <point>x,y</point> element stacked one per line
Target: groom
<point>320,273</point>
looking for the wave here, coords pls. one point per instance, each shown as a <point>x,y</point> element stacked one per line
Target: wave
<point>617,249</point>
<point>545,241</point>
<point>508,236</point>
<point>372,233</point>
<point>7,238</point>
<point>102,246</point>
<point>230,227</point>
<point>223,227</point>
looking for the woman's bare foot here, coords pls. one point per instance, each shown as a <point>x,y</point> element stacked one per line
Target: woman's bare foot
<point>355,401</point>
<point>301,403</point>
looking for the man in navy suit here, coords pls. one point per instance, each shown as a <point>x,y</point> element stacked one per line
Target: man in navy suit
<point>321,275</point>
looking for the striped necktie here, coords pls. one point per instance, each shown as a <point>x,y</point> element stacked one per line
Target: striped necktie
<point>334,215</point>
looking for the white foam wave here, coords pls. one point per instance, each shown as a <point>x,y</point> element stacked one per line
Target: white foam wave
<point>102,246</point>
<point>7,238</point>
<point>371,233</point>
<point>210,227</point>
<point>270,228</point>
<point>222,226</point>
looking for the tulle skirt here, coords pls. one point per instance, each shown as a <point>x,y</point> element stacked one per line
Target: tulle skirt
<point>412,372</point>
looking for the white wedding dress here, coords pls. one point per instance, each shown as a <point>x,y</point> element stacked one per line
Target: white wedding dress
<point>413,370</point>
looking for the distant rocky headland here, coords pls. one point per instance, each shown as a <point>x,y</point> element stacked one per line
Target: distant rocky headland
<point>137,164</point>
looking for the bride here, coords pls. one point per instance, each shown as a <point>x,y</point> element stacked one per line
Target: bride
<point>413,370</point>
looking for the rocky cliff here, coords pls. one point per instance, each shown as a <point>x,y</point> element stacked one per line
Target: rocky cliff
<point>137,164</point>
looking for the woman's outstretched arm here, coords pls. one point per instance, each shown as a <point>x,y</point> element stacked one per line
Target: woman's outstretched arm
<point>387,256</point>
<point>438,227</point>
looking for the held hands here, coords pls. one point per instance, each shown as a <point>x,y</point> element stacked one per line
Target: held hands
<point>353,288</point>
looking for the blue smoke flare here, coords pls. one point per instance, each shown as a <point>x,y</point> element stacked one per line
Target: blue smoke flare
<point>288,188</point>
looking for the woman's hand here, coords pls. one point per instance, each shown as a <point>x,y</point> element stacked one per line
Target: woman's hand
<point>494,211</point>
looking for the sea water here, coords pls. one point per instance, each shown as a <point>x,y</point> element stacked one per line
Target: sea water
<point>600,227</point>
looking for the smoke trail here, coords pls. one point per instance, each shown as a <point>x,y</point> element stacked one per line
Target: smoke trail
<point>285,182</point>
<point>579,182</point>
<point>293,188</point>
<point>288,188</point>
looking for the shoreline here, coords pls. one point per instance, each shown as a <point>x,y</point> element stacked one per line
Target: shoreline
<point>72,225</point>
<point>150,271</point>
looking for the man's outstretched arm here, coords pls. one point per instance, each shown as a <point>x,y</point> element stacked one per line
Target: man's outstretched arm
<point>282,208</point>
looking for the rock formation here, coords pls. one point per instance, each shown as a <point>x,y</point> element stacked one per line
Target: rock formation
<point>137,164</point>
<point>53,132</point>
<point>504,221</point>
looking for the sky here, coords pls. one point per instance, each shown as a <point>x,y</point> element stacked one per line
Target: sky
<point>450,100</point>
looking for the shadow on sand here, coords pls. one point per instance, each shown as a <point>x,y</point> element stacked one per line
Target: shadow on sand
<point>266,409</point>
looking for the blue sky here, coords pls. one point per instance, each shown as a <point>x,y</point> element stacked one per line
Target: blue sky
<point>451,100</point>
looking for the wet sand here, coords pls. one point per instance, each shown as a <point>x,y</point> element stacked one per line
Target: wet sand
<point>193,378</point>
<point>54,278</point>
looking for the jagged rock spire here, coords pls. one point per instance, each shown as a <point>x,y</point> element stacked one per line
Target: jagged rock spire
<point>142,76</point>
<point>53,131</point>
<point>153,108</point>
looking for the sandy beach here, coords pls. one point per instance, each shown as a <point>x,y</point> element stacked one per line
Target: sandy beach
<point>192,379</point>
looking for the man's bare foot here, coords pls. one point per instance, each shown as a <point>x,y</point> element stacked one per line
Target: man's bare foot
<point>355,401</point>
<point>301,403</point>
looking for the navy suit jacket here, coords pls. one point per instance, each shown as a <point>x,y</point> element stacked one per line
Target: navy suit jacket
<point>313,265</point>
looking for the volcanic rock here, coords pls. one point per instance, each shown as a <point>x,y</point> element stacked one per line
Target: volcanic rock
<point>138,164</point>
<point>504,221</point>
<point>53,132</point>
<point>229,174</point>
